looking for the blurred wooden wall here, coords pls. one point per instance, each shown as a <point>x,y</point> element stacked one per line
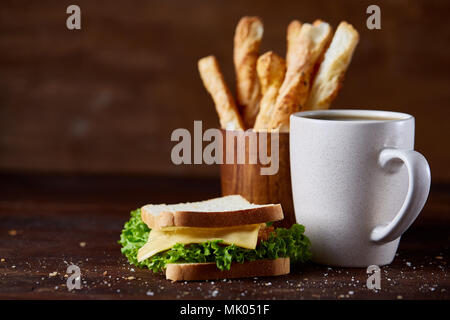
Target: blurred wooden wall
<point>106,98</point>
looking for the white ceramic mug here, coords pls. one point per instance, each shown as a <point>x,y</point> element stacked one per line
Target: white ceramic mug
<point>357,184</point>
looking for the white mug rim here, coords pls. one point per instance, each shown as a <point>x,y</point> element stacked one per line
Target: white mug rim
<point>398,116</point>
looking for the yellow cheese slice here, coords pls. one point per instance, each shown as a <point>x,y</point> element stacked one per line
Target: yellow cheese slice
<point>160,240</point>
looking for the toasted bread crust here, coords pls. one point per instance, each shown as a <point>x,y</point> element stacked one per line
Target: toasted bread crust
<point>209,271</point>
<point>212,219</point>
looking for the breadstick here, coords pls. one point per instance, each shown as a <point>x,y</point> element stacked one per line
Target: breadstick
<point>271,69</point>
<point>247,39</point>
<point>214,83</point>
<point>293,49</point>
<point>322,54</point>
<point>310,43</point>
<point>331,72</point>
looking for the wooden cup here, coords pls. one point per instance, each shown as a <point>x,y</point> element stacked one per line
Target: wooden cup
<point>246,179</point>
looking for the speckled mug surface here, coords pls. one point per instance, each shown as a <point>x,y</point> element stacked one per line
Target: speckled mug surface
<point>357,184</point>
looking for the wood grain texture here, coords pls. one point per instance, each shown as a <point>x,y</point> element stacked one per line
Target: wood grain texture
<point>52,215</point>
<point>106,98</point>
<point>246,178</point>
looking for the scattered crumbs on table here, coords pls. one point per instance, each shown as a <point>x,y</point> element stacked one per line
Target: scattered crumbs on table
<point>82,244</point>
<point>399,297</point>
<point>439,257</point>
<point>215,293</point>
<point>12,232</point>
<point>105,273</point>
<point>53,274</point>
<point>2,260</point>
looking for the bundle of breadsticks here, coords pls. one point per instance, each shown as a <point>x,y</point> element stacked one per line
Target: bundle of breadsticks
<point>269,88</point>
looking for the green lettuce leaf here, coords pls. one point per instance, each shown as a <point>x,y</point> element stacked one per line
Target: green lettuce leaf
<point>282,242</point>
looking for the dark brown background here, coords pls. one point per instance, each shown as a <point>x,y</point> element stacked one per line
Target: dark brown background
<point>106,99</point>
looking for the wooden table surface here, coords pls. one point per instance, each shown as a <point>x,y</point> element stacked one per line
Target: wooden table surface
<point>48,222</point>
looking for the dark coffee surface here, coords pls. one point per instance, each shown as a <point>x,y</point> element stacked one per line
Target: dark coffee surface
<point>349,117</point>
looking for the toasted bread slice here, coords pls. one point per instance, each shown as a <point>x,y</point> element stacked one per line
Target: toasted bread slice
<point>209,271</point>
<point>214,213</point>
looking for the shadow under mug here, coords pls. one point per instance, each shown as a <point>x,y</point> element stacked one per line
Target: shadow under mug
<point>246,179</point>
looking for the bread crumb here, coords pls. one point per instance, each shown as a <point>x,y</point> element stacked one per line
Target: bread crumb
<point>399,297</point>
<point>2,260</point>
<point>105,273</point>
<point>53,274</point>
<point>131,278</point>
<point>439,257</point>
<point>12,232</point>
<point>82,244</point>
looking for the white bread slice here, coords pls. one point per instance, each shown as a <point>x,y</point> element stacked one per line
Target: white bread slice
<point>332,70</point>
<point>226,211</point>
<point>209,271</point>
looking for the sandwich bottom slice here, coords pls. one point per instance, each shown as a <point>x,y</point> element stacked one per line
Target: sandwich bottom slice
<point>245,244</point>
<point>209,271</point>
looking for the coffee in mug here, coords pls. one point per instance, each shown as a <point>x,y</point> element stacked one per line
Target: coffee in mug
<point>357,183</point>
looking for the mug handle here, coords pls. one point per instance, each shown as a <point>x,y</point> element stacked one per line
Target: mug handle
<point>418,189</point>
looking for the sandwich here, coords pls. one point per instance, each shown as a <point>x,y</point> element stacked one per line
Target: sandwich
<point>221,238</point>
